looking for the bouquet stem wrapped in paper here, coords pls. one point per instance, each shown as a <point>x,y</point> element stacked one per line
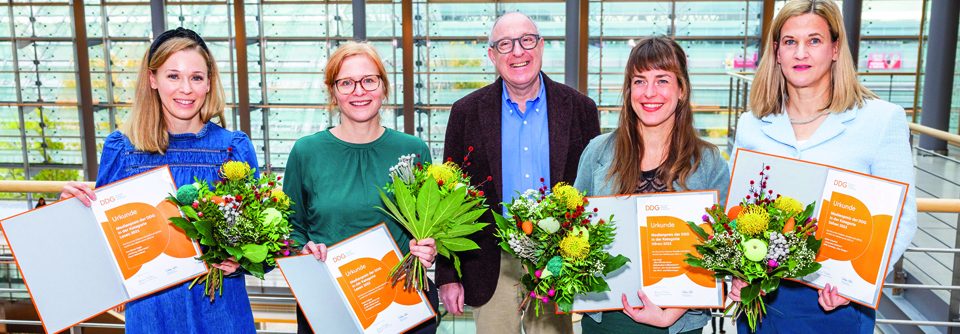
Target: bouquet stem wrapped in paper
<point>762,240</point>
<point>432,201</point>
<point>243,218</point>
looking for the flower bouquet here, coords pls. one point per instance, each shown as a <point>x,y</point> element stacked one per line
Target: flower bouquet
<point>760,241</point>
<point>242,217</point>
<point>560,246</point>
<point>432,201</point>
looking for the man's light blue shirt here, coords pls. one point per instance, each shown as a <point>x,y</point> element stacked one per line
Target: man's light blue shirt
<point>525,140</point>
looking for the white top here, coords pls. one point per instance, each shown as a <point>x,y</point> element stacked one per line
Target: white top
<point>801,142</point>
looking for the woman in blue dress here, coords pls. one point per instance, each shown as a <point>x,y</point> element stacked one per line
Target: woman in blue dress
<point>808,104</point>
<point>178,94</point>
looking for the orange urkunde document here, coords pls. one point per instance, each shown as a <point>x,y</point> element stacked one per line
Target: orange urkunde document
<point>350,293</point>
<point>652,232</point>
<point>80,261</point>
<point>858,216</point>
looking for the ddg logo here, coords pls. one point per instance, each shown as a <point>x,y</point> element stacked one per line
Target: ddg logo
<point>108,200</point>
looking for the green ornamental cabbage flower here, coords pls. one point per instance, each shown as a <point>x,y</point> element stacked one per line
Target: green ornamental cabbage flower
<point>754,250</point>
<point>549,224</point>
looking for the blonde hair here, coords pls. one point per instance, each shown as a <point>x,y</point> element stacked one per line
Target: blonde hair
<point>348,49</point>
<point>768,93</point>
<point>146,127</point>
<point>685,145</point>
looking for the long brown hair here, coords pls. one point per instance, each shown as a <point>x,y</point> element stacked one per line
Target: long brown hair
<point>656,53</point>
<point>768,94</point>
<point>146,126</point>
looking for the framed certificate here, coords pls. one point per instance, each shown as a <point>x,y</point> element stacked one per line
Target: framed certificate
<point>350,291</point>
<point>652,232</point>
<point>858,216</point>
<point>80,261</point>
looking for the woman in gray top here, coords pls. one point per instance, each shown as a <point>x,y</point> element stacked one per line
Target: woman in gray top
<point>655,149</point>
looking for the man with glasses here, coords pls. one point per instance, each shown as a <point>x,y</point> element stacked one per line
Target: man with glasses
<point>524,131</point>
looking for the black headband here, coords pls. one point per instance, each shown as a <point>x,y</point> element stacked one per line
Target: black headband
<point>173,33</point>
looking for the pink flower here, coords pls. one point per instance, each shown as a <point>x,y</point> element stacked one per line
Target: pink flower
<point>538,273</point>
<point>533,294</point>
<point>773,263</point>
<point>710,237</point>
<point>551,292</point>
<point>286,253</point>
<point>199,214</point>
<point>546,299</point>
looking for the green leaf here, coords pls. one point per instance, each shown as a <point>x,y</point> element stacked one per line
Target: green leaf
<point>698,230</point>
<point>564,305</point>
<point>392,210</point>
<point>205,227</point>
<point>694,262</point>
<point>703,250</point>
<point>601,286</point>
<point>235,251</point>
<point>458,244</point>
<point>189,212</point>
<point>809,269</point>
<point>443,251</point>
<point>770,284</point>
<point>502,223</point>
<point>255,253</point>
<point>174,200</point>
<point>469,217</point>
<point>612,263</point>
<point>449,206</point>
<point>186,226</point>
<point>427,201</point>
<point>814,244</point>
<point>456,264</point>
<point>749,293</point>
<point>255,268</point>
<point>460,230</point>
<point>407,204</point>
<point>207,241</point>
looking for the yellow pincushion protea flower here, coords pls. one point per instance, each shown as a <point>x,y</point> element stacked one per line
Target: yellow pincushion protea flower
<point>574,247</point>
<point>235,170</point>
<point>281,197</point>
<point>567,195</point>
<point>753,220</point>
<point>447,173</point>
<point>788,205</point>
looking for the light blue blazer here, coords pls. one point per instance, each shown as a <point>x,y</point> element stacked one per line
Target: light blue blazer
<point>873,139</point>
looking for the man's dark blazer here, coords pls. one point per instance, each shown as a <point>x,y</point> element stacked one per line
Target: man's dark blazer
<point>475,121</point>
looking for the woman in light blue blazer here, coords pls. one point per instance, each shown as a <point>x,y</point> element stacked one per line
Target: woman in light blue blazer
<point>655,149</point>
<point>807,104</point>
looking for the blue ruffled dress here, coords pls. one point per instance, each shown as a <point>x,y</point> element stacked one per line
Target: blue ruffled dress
<point>178,309</point>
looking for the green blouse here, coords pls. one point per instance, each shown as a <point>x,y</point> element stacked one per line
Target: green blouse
<point>334,185</point>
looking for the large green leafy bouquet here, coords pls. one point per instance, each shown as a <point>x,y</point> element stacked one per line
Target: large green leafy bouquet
<point>433,201</point>
<point>242,217</point>
<point>760,241</point>
<point>559,244</point>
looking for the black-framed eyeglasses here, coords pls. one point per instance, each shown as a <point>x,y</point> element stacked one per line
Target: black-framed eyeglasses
<point>527,42</point>
<point>347,86</point>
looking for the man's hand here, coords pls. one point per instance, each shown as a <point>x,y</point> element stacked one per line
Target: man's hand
<point>452,296</point>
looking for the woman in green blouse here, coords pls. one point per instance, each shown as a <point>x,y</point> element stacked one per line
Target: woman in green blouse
<point>333,176</point>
